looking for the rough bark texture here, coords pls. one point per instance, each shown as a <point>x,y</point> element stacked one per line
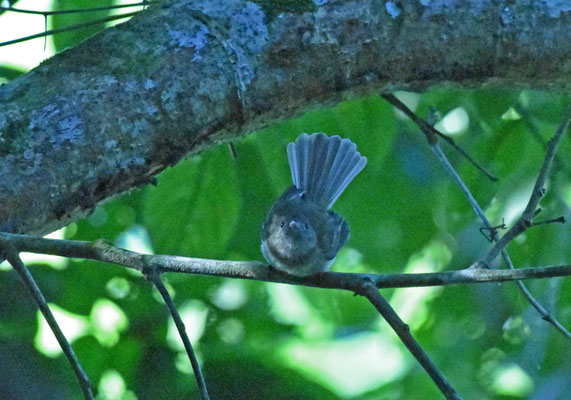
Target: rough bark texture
<point>107,115</point>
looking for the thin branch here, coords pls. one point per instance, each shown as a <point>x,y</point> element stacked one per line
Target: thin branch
<point>531,211</point>
<point>545,315</point>
<point>403,331</point>
<point>73,11</point>
<point>154,277</point>
<point>525,220</point>
<point>256,270</point>
<point>14,260</point>
<point>69,28</point>
<point>475,206</point>
<point>558,163</point>
<point>537,193</point>
<point>432,134</point>
<point>560,219</point>
<point>364,284</point>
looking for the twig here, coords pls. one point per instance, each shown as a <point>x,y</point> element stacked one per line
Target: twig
<point>69,28</point>
<point>403,331</point>
<point>73,11</point>
<point>233,151</point>
<point>525,220</point>
<point>475,206</point>
<point>154,277</point>
<point>432,134</point>
<point>12,256</point>
<point>560,219</point>
<point>545,315</point>
<point>559,164</point>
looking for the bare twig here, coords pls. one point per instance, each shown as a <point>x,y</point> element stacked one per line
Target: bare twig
<point>525,220</point>
<point>69,28</point>
<point>154,277</point>
<point>369,291</point>
<point>559,164</point>
<point>73,11</point>
<point>475,206</point>
<point>12,256</point>
<point>545,315</point>
<point>432,134</point>
<point>560,219</point>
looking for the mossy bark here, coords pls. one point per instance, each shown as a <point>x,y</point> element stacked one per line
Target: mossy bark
<point>109,114</point>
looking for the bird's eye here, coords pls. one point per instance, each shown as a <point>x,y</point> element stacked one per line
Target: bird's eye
<point>282,224</point>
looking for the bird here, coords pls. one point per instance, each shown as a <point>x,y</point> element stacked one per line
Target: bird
<point>301,234</point>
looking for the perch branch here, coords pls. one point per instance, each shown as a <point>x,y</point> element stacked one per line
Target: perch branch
<point>255,270</point>
<point>364,284</point>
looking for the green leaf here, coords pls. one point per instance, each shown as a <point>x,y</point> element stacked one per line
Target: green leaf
<point>60,21</point>
<point>194,208</point>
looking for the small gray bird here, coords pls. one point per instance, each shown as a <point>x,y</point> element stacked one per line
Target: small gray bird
<point>301,235</point>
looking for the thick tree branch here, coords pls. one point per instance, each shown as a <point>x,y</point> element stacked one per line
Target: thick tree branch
<point>183,76</point>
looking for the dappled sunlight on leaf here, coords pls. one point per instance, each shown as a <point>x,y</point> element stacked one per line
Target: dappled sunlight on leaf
<point>230,295</point>
<point>231,331</point>
<point>349,260</point>
<point>288,304</point>
<point>72,325</point>
<point>136,239</point>
<point>515,330</point>
<point>454,123</point>
<point>511,380</point>
<point>350,366</point>
<point>55,262</point>
<point>112,387</point>
<point>108,322</point>
<point>413,304</point>
<point>410,99</point>
<point>118,288</point>
<point>193,314</point>
<point>28,54</point>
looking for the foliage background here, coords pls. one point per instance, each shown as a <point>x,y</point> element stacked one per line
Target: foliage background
<point>268,341</point>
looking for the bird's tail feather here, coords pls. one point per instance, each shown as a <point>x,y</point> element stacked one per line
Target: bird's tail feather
<point>323,166</point>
